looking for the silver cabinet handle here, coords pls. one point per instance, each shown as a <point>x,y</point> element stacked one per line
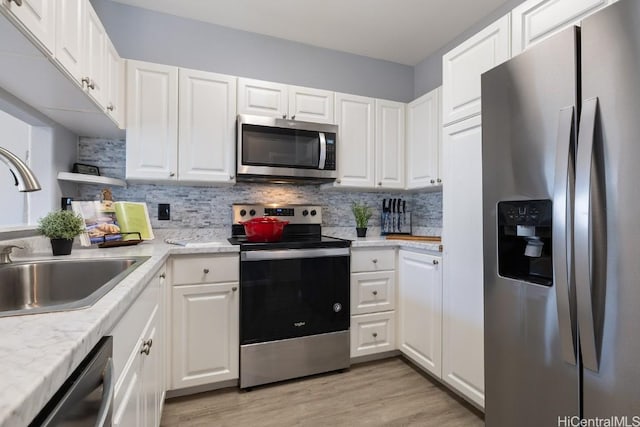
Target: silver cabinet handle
<point>379,183</point>
<point>110,107</point>
<point>435,262</point>
<point>284,116</point>
<point>374,293</point>
<point>439,180</point>
<point>231,177</point>
<point>589,258</point>
<point>338,181</point>
<point>235,288</point>
<point>206,271</point>
<point>433,181</point>
<point>163,275</point>
<point>87,81</point>
<point>563,192</point>
<point>293,117</point>
<point>145,349</point>
<point>17,2</point>
<point>375,260</point>
<point>375,334</point>
<point>172,174</point>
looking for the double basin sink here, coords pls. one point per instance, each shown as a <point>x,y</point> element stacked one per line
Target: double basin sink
<point>59,285</point>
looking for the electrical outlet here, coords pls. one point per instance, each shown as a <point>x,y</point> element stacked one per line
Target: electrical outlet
<point>164,211</point>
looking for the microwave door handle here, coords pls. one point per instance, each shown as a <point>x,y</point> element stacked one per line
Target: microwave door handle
<point>323,150</point>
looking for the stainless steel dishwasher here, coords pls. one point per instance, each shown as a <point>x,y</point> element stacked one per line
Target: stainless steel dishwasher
<point>86,397</point>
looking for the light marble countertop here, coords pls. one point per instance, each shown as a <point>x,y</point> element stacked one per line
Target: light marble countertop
<point>38,352</point>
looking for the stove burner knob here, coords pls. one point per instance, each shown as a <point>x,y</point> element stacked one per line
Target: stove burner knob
<point>313,212</point>
<point>243,212</point>
<point>252,212</point>
<point>305,212</point>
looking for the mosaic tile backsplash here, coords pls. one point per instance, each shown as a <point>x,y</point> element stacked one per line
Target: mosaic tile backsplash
<point>210,207</point>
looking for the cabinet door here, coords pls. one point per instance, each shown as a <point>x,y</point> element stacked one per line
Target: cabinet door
<point>262,98</point>
<point>114,85</point>
<point>535,20</point>
<point>205,334</point>
<point>70,36</point>
<point>389,143</point>
<point>462,67</point>
<point>463,293</point>
<point>128,401</point>
<point>38,17</point>
<point>151,371</point>
<point>420,309</point>
<point>372,292</point>
<point>372,333</point>
<point>355,119</point>
<point>207,120</point>
<point>152,121</point>
<point>423,141</point>
<point>311,105</point>
<point>95,54</point>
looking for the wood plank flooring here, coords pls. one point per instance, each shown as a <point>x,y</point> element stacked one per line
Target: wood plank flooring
<point>389,392</point>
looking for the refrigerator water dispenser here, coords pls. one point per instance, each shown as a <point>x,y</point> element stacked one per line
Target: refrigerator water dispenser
<point>524,241</point>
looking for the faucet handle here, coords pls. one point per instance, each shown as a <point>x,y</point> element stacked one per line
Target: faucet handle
<point>5,251</point>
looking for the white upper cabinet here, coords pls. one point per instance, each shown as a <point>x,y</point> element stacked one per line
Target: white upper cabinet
<point>115,84</point>
<point>95,54</point>
<point>152,121</point>
<point>462,67</point>
<point>38,17</point>
<point>311,105</point>
<point>355,119</point>
<point>207,117</point>
<point>424,153</point>
<point>70,36</point>
<point>262,98</point>
<point>389,143</point>
<point>535,20</point>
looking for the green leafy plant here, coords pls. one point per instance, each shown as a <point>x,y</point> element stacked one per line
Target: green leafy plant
<point>61,225</point>
<point>362,213</point>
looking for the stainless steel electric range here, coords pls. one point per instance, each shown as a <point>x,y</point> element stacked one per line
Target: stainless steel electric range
<point>294,297</point>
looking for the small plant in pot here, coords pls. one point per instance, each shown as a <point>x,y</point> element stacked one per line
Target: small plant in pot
<point>362,214</point>
<point>61,227</point>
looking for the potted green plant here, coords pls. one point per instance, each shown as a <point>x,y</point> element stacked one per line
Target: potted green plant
<point>362,214</point>
<point>61,227</point>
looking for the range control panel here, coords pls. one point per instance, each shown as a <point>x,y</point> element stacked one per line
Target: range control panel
<point>295,214</point>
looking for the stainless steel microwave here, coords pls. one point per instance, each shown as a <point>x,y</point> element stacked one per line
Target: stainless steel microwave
<point>271,149</point>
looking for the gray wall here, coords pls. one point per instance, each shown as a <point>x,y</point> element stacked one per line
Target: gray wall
<point>428,74</point>
<point>157,37</point>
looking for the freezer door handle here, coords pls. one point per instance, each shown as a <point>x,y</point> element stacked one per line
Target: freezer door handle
<point>562,232</point>
<point>590,237</point>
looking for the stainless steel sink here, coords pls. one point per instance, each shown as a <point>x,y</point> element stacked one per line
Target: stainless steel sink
<point>59,285</point>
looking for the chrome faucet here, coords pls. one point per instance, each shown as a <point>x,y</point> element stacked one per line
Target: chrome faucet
<point>5,251</point>
<point>25,178</point>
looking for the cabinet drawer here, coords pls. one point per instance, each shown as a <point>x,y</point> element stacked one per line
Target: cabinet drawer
<point>373,259</point>
<point>372,292</point>
<point>372,333</point>
<point>205,269</point>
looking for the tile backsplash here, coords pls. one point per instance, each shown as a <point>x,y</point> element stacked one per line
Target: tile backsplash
<point>210,207</point>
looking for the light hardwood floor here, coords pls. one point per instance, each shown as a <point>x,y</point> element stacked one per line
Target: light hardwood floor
<point>389,392</point>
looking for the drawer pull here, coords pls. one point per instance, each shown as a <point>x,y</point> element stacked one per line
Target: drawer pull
<point>374,293</point>
<point>375,334</point>
<point>206,271</point>
<point>435,262</point>
<point>375,260</point>
<point>235,288</point>
<point>162,275</point>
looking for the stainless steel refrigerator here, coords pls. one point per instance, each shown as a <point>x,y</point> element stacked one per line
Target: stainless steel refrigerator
<point>561,200</point>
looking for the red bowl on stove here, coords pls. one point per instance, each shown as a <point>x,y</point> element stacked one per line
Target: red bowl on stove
<point>264,229</point>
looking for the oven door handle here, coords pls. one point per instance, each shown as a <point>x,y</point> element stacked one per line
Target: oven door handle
<point>281,254</point>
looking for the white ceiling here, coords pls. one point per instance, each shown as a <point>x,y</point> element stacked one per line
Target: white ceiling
<point>402,31</point>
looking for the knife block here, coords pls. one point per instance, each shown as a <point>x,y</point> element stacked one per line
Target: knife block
<point>391,223</point>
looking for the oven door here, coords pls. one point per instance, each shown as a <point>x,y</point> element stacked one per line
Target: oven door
<point>285,148</point>
<point>293,293</point>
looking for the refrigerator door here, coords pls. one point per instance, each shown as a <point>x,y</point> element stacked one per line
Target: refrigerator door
<point>528,103</point>
<point>610,325</point>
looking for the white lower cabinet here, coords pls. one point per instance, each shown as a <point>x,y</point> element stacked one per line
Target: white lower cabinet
<point>373,290</point>
<point>139,358</point>
<point>205,320</point>
<point>420,309</point>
